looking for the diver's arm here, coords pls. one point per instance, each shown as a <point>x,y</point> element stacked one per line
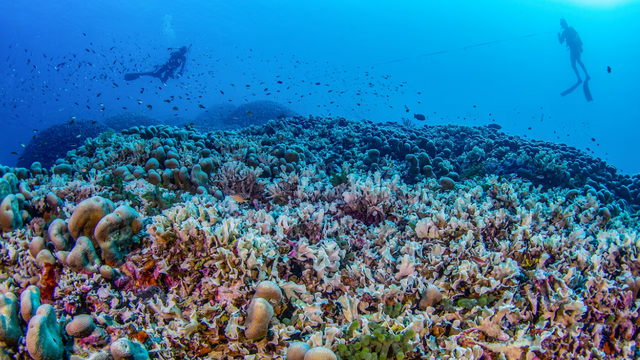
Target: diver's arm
<point>561,37</point>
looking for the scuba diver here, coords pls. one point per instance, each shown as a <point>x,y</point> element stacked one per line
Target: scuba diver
<point>570,36</point>
<point>164,72</point>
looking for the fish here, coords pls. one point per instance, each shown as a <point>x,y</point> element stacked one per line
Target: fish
<point>175,108</point>
<point>150,107</point>
<point>609,69</point>
<point>238,198</point>
<point>15,153</point>
<point>71,122</point>
<point>201,106</point>
<point>419,117</point>
<point>494,126</point>
<point>249,113</point>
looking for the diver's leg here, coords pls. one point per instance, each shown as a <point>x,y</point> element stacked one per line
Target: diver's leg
<point>159,71</point>
<point>573,66</point>
<point>579,60</point>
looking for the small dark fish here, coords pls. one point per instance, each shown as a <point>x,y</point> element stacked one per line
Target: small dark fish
<point>150,107</point>
<point>609,69</point>
<point>94,122</point>
<point>201,106</point>
<point>175,108</point>
<point>419,117</point>
<point>114,84</point>
<point>98,94</point>
<point>317,83</point>
<point>593,139</point>
<point>279,82</point>
<point>221,92</point>
<point>494,126</point>
<point>249,113</point>
<point>14,153</point>
<point>71,122</point>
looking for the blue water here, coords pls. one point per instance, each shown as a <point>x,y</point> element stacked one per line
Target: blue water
<point>368,56</point>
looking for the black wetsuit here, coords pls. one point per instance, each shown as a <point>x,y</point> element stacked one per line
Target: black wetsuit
<point>177,60</point>
<point>574,43</point>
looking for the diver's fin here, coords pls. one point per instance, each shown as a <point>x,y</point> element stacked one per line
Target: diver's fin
<point>133,76</point>
<point>587,91</point>
<point>570,90</point>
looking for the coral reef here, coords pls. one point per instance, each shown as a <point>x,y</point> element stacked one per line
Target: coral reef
<point>54,142</point>
<point>320,239</point>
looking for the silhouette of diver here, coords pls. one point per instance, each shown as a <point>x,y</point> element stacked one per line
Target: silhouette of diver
<point>570,36</point>
<point>164,72</point>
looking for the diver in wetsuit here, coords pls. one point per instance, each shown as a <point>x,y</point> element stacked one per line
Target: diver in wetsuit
<point>570,36</point>
<point>164,72</point>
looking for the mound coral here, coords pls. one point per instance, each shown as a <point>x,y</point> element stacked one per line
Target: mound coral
<point>86,216</point>
<point>115,231</point>
<point>29,302</point>
<point>10,331</point>
<point>10,217</point>
<point>43,335</point>
<point>124,349</point>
